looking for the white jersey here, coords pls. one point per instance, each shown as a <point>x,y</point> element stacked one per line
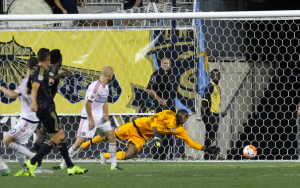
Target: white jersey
<point>25,99</point>
<point>97,93</point>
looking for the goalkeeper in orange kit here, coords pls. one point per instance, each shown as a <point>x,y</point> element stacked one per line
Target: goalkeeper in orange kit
<point>140,130</point>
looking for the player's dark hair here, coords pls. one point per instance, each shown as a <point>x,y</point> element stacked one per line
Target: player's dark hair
<point>55,56</point>
<point>32,61</point>
<point>182,111</point>
<point>43,54</point>
<point>214,71</point>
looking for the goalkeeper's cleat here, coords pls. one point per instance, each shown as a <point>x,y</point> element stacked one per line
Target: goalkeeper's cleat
<point>76,170</point>
<point>115,168</point>
<point>5,172</point>
<point>59,167</point>
<point>30,167</point>
<point>102,159</point>
<point>40,170</point>
<point>22,173</point>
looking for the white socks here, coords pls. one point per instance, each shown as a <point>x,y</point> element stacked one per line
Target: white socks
<point>72,152</point>
<point>21,158</point>
<point>21,149</point>
<point>2,164</point>
<point>112,152</point>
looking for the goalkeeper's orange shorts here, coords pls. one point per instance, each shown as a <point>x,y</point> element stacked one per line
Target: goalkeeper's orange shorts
<point>128,131</point>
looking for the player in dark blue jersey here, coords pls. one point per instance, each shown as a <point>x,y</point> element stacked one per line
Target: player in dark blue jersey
<point>43,105</point>
<point>55,65</point>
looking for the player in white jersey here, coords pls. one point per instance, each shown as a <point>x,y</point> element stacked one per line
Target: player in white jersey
<point>28,121</point>
<point>95,116</point>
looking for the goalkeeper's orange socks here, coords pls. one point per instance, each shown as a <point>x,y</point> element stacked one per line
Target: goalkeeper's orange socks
<point>120,155</point>
<point>93,141</point>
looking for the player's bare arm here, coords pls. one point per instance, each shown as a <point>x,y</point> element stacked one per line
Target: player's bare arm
<point>58,76</point>
<point>62,75</point>
<point>11,94</point>
<point>88,106</point>
<point>105,110</point>
<point>35,87</point>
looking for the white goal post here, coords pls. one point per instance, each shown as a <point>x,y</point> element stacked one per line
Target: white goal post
<point>256,53</point>
<point>250,15</point>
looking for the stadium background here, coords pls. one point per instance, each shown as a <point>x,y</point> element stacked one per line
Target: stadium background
<point>281,76</point>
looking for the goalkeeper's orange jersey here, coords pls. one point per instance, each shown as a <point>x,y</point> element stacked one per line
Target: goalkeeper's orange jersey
<point>165,122</point>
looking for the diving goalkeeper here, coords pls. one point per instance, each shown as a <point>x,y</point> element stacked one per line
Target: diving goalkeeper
<point>140,130</point>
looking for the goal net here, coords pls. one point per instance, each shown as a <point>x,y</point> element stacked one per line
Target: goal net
<point>256,53</point>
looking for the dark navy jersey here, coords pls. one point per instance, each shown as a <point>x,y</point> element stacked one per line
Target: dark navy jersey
<point>39,74</point>
<point>53,89</point>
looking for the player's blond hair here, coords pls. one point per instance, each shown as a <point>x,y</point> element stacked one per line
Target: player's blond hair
<point>106,70</point>
<point>165,58</point>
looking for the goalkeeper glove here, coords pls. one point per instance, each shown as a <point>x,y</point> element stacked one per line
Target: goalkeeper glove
<point>213,150</point>
<point>157,141</point>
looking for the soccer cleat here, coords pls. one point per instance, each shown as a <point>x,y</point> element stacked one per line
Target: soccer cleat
<point>22,173</point>
<point>30,167</point>
<point>102,159</point>
<point>5,172</point>
<point>115,168</point>
<point>40,170</point>
<point>76,170</point>
<point>59,167</point>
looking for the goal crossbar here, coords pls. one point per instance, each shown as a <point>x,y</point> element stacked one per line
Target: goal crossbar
<point>142,16</point>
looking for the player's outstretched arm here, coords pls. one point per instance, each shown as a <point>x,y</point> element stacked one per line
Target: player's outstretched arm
<point>11,94</point>
<point>62,75</point>
<point>213,150</point>
<point>181,133</point>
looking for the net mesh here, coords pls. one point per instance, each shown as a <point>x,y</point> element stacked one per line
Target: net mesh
<point>258,61</point>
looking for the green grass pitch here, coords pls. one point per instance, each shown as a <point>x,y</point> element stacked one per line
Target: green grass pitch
<point>165,174</point>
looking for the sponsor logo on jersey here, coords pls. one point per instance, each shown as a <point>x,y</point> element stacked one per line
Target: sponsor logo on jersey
<point>92,97</point>
<point>40,77</point>
<point>174,129</point>
<point>51,73</point>
<point>83,133</point>
<point>117,129</point>
<point>13,131</point>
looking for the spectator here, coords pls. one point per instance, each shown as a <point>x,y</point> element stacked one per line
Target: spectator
<point>210,109</point>
<point>132,6</point>
<point>160,3</point>
<point>69,6</point>
<point>160,87</point>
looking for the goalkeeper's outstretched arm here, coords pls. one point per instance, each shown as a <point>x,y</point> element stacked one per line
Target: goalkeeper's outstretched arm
<point>181,133</point>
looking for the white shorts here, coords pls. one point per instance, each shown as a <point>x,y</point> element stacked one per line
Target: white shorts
<point>23,130</point>
<point>84,127</point>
